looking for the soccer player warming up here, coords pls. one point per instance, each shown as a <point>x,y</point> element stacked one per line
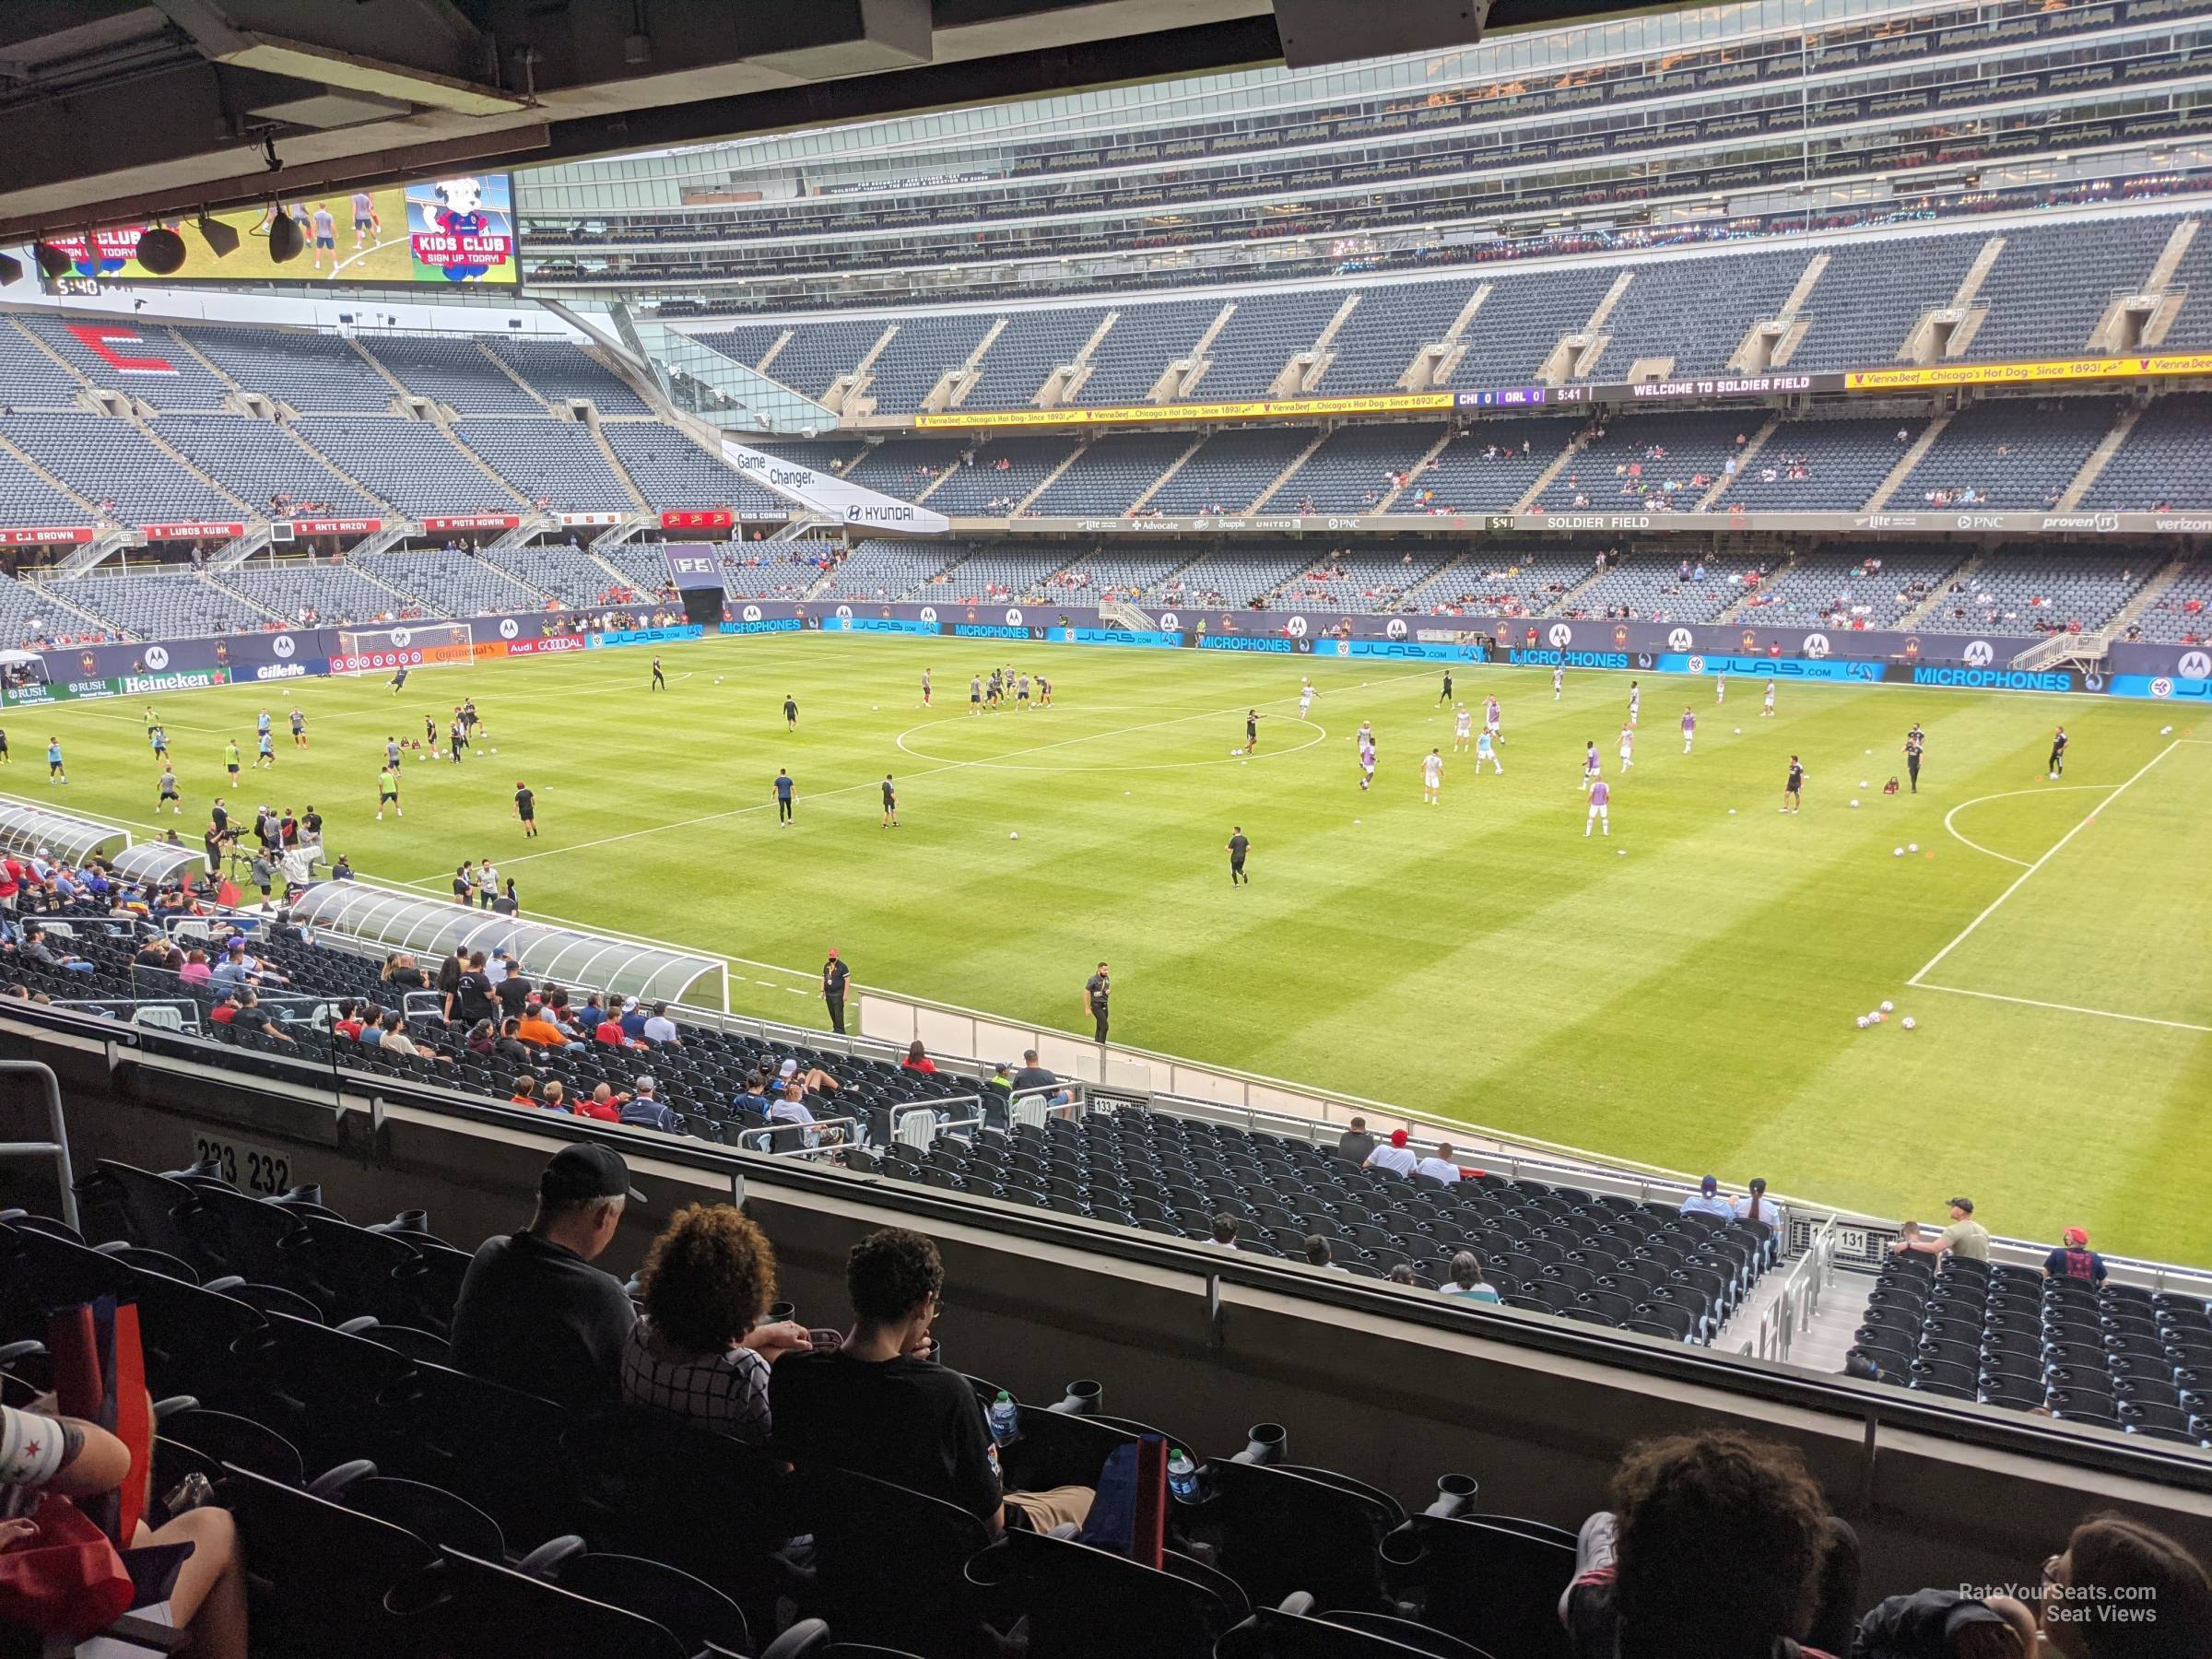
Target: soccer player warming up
<point>1558,680</point>
<point>1238,847</point>
<point>1635,702</point>
<point>1601,807</point>
<point>1690,729</point>
<point>1305,697</point>
<point>1493,719</point>
<point>1432,778</point>
<point>1627,745</point>
<point>1767,709</point>
<point>2058,753</point>
<point>1592,766</point>
<point>1793,792</point>
<point>1463,729</point>
<point>1485,749</point>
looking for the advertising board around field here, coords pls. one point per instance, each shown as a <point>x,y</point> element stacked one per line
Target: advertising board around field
<point>847,623</point>
<point>438,231</point>
<point>1115,636</point>
<point>186,680</point>
<point>643,636</point>
<point>76,690</point>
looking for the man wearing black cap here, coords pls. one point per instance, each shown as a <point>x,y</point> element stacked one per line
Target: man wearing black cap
<point>534,1313</point>
<point>834,992</point>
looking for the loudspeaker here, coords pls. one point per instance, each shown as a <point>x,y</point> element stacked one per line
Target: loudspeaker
<point>1335,32</point>
<point>703,606</point>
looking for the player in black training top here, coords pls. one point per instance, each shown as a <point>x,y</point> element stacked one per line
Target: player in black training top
<point>1238,847</point>
<point>2058,753</point>
<point>1446,695</point>
<point>791,713</point>
<point>1251,730</point>
<point>660,680</point>
<point>1793,792</point>
<point>890,804</point>
<point>525,807</point>
<point>1915,741</point>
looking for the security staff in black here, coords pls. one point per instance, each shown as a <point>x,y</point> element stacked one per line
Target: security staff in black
<point>1095,990</point>
<point>1446,697</point>
<point>834,992</point>
<point>1238,847</point>
<point>1915,741</point>
<point>2058,753</point>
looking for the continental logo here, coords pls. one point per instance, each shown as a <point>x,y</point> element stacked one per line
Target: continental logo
<point>2054,372</point>
<point>1397,403</point>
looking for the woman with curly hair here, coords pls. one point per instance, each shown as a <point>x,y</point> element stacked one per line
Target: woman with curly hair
<point>700,1352</point>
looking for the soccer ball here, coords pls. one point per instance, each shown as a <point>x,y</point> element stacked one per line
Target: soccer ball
<point>1908,1022</point>
<point>2162,730</point>
<point>1854,802</point>
<point>1013,835</point>
<point>1897,852</point>
<point>1739,731</point>
<point>1234,753</point>
<point>1878,1017</point>
<point>1731,812</point>
<point>1623,852</point>
<point>718,679</point>
<point>1888,1007</point>
<point>1911,846</point>
<point>1864,785</point>
<point>495,751</point>
<point>1863,1022</point>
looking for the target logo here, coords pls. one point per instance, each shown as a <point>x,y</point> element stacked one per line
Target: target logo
<point>2195,665</point>
<point>157,657</point>
<point>1979,654</point>
<point>1816,645</point>
<point>1561,636</point>
<point>401,637</point>
<point>1296,627</point>
<point>2161,687</point>
<point>1169,621</point>
<point>1395,628</point>
<point>845,611</point>
<point>1679,639</point>
<point>1013,617</point>
<point>1697,664</point>
<point>929,613</point>
<point>752,613</point>
<point>509,628</point>
<point>283,646</point>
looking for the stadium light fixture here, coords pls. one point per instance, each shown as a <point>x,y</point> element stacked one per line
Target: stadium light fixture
<point>284,240</point>
<point>221,239</point>
<point>53,262</point>
<point>161,252</point>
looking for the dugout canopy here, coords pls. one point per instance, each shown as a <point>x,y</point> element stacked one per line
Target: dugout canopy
<point>27,829</point>
<point>158,862</point>
<point>567,956</point>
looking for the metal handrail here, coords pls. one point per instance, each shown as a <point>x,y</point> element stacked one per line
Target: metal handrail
<point>761,1140</point>
<point>56,1144</point>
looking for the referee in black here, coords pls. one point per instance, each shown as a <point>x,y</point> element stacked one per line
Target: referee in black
<point>1238,847</point>
<point>1915,741</point>
<point>834,992</point>
<point>2058,753</point>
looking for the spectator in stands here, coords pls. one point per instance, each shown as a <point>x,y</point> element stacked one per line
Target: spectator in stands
<point>879,1405</point>
<point>1030,1075</point>
<point>1225,1231</point>
<point>534,1313</point>
<point>603,1105</point>
<point>1755,1205</point>
<point>1707,1201</point>
<point>469,999</point>
<point>537,1031</point>
<point>753,1101</point>
<point>195,971</point>
<point>1717,1546</point>
<point>483,1040</point>
<point>1356,1143</point>
<point>700,1352</point>
<point>36,948</point>
<point>524,1091</point>
<point>510,1045</point>
<point>1965,1235</point>
<point>1467,1283</point>
<point>250,1016</point>
<point>1401,1273</point>
<point>659,1027</point>
<point>645,1110</point>
<point>69,1457</point>
<point>998,1096</point>
<point>1395,1155</point>
<point>608,1030</point>
<point>1319,1255</point>
<point>917,1060</point>
<point>393,1038</point>
<point>1440,1166</point>
<point>2074,1259</point>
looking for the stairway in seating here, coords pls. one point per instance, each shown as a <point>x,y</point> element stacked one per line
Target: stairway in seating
<point>1413,473</point>
<point>2099,458</point>
<point>1918,447</point>
<point>1918,616</point>
<point>1711,498</point>
<point>1283,477</point>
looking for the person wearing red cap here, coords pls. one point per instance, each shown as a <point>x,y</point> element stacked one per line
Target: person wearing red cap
<point>1396,1156</point>
<point>834,992</point>
<point>2074,1259</point>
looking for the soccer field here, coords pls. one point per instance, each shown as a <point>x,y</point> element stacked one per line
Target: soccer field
<point>1681,994</point>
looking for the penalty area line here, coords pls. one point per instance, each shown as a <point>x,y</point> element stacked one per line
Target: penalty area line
<point>2031,1002</point>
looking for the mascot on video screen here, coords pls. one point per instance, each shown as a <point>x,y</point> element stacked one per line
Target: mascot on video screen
<point>460,212</point>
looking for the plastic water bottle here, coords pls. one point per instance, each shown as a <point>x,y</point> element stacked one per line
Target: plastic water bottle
<point>1182,1474</point>
<point>1005,1418</point>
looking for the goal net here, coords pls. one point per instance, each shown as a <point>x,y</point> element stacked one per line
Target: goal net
<point>388,649</point>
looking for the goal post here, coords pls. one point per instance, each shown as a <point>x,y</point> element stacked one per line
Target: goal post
<point>417,646</point>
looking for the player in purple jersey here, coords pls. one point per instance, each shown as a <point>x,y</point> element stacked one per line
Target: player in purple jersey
<point>1601,802</point>
<point>1592,765</point>
<point>1690,729</point>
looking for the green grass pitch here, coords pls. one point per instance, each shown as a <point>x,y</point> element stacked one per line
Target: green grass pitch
<point>1682,993</point>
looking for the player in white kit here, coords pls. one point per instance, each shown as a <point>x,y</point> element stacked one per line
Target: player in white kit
<point>1462,728</point>
<point>1558,679</point>
<point>1690,729</point>
<point>1305,697</point>
<point>1720,688</point>
<point>1768,709</point>
<point>1432,778</point>
<point>1592,767</point>
<point>1601,803</point>
<point>1486,749</point>
<point>1493,722</point>
<point>1635,701</point>
<point>1627,747</point>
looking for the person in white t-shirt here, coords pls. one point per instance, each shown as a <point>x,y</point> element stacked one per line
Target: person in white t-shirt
<point>659,1027</point>
<point>1393,1156</point>
<point>1438,1165</point>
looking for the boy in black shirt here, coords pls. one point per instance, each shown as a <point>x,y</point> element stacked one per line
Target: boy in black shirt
<point>525,807</point>
<point>1238,847</point>
<point>878,1405</point>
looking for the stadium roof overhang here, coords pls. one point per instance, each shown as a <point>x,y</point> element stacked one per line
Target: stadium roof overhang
<point>117,111</point>
<point>378,916</point>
